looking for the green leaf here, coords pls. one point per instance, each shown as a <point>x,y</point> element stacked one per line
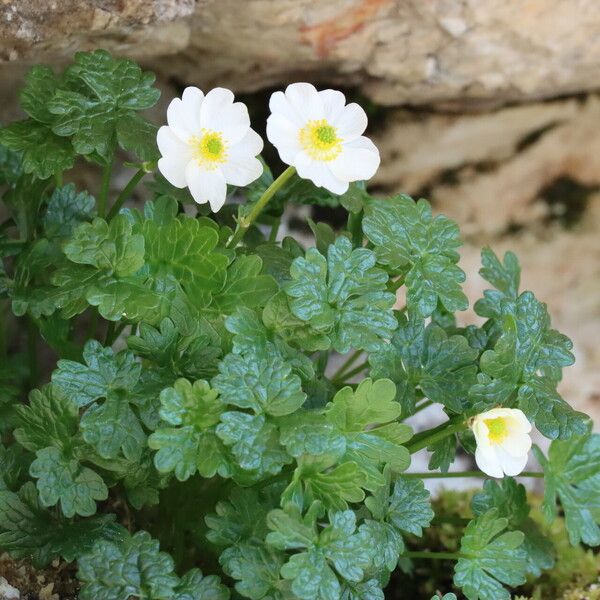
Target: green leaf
<point>195,586</point>
<point>50,419</point>
<point>239,519</point>
<point>97,114</point>
<point>66,210</point>
<point>572,474</point>
<point>405,506</point>
<point>43,152</point>
<point>510,498</point>
<point>338,548</point>
<point>504,276</point>
<point>443,454</point>
<point>342,296</point>
<point>254,442</point>
<point>245,286</point>
<point>186,249</point>
<point>112,248</point>
<point>62,479</point>
<point>260,381</point>
<point>40,85</point>
<point>442,366</point>
<point>113,426</point>
<point>525,366</point>
<point>419,247</point>
<point>27,530</point>
<point>133,568</point>
<point>256,569</point>
<point>191,444</point>
<point>137,135</point>
<point>492,556</point>
<point>366,419</point>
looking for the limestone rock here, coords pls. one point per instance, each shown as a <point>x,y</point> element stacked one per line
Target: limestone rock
<point>457,53</point>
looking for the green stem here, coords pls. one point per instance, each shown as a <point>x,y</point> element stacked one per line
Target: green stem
<point>245,222</point>
<point>110,334</point>
<point>347,364</point>
<point>58,179</point>
<point>355,228</point>
<point>427,438</point>
<point>322,361</point>
<point>351,373</point>
<point>423,406</point>
<point>124,195</point>
<point>102,198</point>
<point>435,555</point>
<point>274,230</point>
<point>32,334</point>
<point>395,284</point>
<point>460,474</point>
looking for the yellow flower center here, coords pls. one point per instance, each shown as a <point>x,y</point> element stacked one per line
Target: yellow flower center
<point>209,149</point>
<point>320,140</point>
<point>498,429</point>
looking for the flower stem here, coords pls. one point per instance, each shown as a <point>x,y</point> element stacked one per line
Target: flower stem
<point>124,195</point>
<point>106,174</point>
<point>32,334</point>
<point>434,555</point>
<point>58,179</point>
<point>245,222</point>
<point>274,230</point>
<point>456,475</point>
<point>434,435</point>
<point>347,364</point>
<point>351,373</point>
<point>423,406</point>
<point>355,228</point>
<point>395,284</point>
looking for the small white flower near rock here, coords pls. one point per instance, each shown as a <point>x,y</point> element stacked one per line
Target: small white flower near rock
<point>207,144</point>
<point>321,136</point>
<point>503,441</point>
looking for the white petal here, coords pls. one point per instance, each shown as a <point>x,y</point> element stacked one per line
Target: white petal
<point>206,186</point>
<point>333,104</point>
<point>517,444</point>
<point>219,113</point>
<point>183,115</point>
<point>173,171</point>
<point>319,173</point>
<point>171,146</point>
<point>487,461</point>
<point>242,167</point>
<point>284,135</point>
<point>521,419</point>
<point>280,105</point>
<point>511,465</point>
<point>351,122</point>
<point>359,160</point>
<point>305,99</point>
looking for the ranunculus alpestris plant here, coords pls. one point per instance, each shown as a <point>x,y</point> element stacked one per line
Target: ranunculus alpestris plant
<point>194,435</point>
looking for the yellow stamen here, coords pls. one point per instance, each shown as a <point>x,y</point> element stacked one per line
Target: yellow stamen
<point>320,140</point>
<point>208,149</point>
<point>498,429</point>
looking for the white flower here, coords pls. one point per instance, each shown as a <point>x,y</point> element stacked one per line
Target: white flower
<point>503,442</point>
<point>208,144</point>
<point>320,135</point>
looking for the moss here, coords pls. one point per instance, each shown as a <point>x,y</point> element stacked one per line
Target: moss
<point>575,576</point>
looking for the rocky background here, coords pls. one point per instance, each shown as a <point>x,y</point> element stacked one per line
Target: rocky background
<point>486,108</point>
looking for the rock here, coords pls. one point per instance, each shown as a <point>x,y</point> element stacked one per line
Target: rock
<point>7,591</point>
<point>458,53</point>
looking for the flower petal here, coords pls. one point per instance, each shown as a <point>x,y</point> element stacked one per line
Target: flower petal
<point>487,461</point>
<point>173,171</point>
<point>206,186</point>
<point>242,167</point>
<point>280,105</point>
<point>305,99</point>
<point>511,465</point>
<point>183,115</point>
<point>359,160</point>
<point>351,122</point>
<point>284,135</point>
<point>319,173</point>
<point>220,113</point>
<point>517,444</point>
<point>333,104</point>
